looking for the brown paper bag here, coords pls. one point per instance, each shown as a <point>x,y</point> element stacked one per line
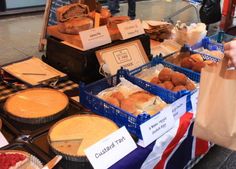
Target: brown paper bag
<point>216,109</point>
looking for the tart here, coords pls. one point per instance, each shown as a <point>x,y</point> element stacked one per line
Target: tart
<point>36,105</point>
<point>72,135</point>
<point>14,159</point>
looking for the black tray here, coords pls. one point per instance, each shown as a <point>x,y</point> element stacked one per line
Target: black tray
<point>9,132</point>
<point>26,130</point>
<point>40,140</point>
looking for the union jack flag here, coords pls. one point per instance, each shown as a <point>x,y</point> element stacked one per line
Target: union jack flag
<point>177,149</point>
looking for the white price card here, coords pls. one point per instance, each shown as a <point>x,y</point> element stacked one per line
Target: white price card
<point>179,107</point>
<point>95,37</point>
<point>194,99</point>
<point>130,29</point>
<point>110,149</point>
<point>129,55</point>
<point>157,126</point>
<point>3,140</point>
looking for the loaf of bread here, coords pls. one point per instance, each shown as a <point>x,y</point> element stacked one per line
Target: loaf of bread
<point>113,21</point>
<point>104,15</point>
<point>67,12</point>
<point>75,25</point>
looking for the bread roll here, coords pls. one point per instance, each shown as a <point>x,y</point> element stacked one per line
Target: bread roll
<point>113,101</point>
<point>197,67</point>
<point>155,80</point>
<point>165,74</point>
<point>178,79</point>
<point>118,95</point>
<point>67,12</point>
<point>190,85</point>
<point>75,25</point>
<point>179,88</point>
<point>142,99</point>
<point>197,57</point>
<point>128,105</point>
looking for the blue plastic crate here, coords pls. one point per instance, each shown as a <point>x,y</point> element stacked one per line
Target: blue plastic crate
<point>166,95</point>
<point>221,37</point>
<point>88,98</point>
<point>209,44</point>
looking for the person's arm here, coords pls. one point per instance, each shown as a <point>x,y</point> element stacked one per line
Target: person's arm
<point>230,51</point>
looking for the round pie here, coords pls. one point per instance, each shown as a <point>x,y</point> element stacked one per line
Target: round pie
<point>72,135</point>
<point>36,103</point>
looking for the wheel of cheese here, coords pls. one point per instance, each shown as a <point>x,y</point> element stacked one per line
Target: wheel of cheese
<point>36,105</point>
<point>71,136</point>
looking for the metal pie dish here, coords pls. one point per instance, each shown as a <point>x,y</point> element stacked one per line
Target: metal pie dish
<point>70,147</point>
<point>37,120</point>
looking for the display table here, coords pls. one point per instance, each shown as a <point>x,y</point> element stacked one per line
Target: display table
<point>175,150</point>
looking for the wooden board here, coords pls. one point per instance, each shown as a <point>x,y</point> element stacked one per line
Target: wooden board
<point>75,39</point>
<point>72,39</point>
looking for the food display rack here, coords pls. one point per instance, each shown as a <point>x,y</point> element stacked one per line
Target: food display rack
<point>33,139</point>
<point>154,89</point>
<point>89,99</point>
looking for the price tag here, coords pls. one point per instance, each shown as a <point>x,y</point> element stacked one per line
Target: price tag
<point>157,126</point>
<point>95,37</point>
<point>111,149</point>
<point>130,29</point>
<point>194,99</point>
<point>179,107</point>
<point>3,141</point>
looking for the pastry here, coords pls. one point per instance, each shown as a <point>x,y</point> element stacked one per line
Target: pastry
<point>155,80</point>
<point>36,103</point>
<point>190,85</point>
<point>178,78</point>
<point>187,63</point>
<point>197,67</point>
<point>168,85</point>
<point>128,105</point>
<point>161,85</point>
<point>165,74</point>
<point>72,135</point>
<point>208,62</point>
<point>197,57</point>
<point>142,99</point>
<point>113,21</point>
<point>75,25</point>
<point>67,12</point>
<point>118,95</point>
<point>113,101</point>
<point>178,88</point>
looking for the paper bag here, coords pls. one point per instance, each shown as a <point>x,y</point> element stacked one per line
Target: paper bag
<point>216,108</point>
